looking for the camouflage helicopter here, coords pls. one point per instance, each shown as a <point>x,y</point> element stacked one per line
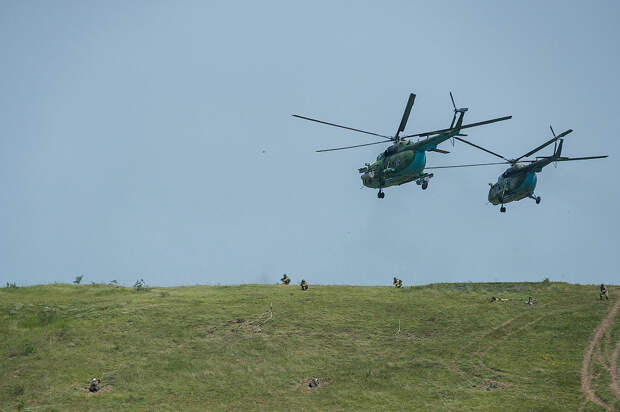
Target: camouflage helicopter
<point>519,180</point>
<point>404,161</point>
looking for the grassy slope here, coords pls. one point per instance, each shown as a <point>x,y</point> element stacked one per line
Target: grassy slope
<point>192,348</point>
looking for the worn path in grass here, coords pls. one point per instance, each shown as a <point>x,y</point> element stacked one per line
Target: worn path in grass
<point>586,369</point>
<point>614,370</point>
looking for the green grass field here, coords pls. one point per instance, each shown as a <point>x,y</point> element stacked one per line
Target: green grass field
<point>211,348</point>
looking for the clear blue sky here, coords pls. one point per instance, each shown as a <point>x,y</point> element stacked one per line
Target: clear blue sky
<point>153,139</point>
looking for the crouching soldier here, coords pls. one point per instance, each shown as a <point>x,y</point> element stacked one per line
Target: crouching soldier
<point>304,285</point>
<point>285,279</point>
<point>603,292</point>
<point>94,385</point>
<point>530,301</point>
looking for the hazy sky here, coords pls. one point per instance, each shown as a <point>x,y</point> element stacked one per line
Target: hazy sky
<point>153,139</point>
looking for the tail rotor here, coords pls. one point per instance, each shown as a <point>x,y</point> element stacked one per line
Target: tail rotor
<point>453,117</point>
<point>455,111</point>
<point>461,110</point>
<point>555,145</point>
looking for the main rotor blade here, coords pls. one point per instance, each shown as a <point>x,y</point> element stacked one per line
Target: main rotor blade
<point>349,147</point>
<point>582,158</point>
<point>408,107</point>
<point>480,147</point>
<point>498,119</point>
<point>342,127</point>
<point>465,126</point>
<point>547,143</point>
<point>471,165</point>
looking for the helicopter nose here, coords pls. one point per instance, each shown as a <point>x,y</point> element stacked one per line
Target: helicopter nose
<point>367,178</point>
<point>491,193</point>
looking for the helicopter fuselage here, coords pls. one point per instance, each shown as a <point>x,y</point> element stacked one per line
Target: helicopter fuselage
<point>518,181</point>
<point>512,188</point>
<point>398,164</point>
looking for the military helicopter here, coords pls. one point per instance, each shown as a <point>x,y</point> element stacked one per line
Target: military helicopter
<point>519,180</point>
<point>404,161</point>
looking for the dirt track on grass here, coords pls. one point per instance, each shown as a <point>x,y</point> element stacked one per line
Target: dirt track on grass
<point>586,370</point>
<point>615,385</point>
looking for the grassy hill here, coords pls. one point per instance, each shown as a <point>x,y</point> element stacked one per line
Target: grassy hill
<point>209,348</point>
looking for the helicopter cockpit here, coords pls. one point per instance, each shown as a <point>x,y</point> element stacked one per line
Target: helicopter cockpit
<point>512,170</point>
<point>391,150</point>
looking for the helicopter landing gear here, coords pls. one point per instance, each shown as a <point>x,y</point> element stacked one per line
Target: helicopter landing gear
<point>502,209</point>
<point>381,194</point>
<point>423,180</point>
<point>536,198</point>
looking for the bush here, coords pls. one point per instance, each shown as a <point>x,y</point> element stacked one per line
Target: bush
<point>11,285</point>
<point>546,281</point>
<point>78,279</point>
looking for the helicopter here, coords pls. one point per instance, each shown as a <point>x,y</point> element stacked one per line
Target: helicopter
<point>519,180</point>
<point>404,161</point>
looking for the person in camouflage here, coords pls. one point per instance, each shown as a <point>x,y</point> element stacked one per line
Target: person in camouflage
<point>94,385</point>
<point>285,279</point>
<point>603,293</point>
<point>304,285</point>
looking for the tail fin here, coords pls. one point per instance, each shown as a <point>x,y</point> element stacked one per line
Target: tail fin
<point>558,151</point>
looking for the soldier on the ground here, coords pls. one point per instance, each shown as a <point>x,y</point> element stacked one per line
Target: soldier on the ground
<point>603,292</point>
<point>303,284</point>
<point>399,284</point>
<point>94,385</point>
<point>285,279</point>
<point>530,301</point>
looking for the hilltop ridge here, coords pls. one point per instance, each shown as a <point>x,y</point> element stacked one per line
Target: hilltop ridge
<point>216,347</point>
